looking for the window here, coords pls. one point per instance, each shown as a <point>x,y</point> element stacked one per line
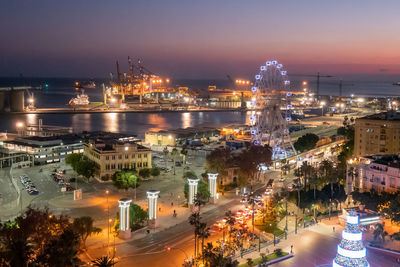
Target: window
<point>145,155</point>
<point>112,166</point>
<point>107,157</point>
<point>139,156</point>
<point>126,156</point>
<point>113,157</point>
<point>133,156</point>
<point>119,166</point>
<point>119,156</point>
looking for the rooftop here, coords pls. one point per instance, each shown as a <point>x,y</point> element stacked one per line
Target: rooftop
<point>387,160</point>
<point>389,116</point>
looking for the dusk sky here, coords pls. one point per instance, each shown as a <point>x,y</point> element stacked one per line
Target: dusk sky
<point>198,39</point>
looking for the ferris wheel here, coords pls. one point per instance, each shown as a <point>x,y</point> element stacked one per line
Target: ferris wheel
<point>270,105</point>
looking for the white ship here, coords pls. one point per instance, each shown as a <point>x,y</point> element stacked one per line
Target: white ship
<point>81,99</point>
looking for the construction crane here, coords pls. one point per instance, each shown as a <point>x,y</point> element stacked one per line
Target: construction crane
<point>318,76</point>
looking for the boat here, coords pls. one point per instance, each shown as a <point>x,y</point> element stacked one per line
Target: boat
<point>86,85</point>
<point>397,84</point>
<point>81,99</point>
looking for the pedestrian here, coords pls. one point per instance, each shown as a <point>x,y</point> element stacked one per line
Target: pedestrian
<point>333,228</point>
<point>159,209</point>
<point>291,249</point>
<point>172,204</point>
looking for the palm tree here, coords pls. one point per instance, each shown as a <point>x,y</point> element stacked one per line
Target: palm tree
<point>203,233</point>
<point>194,219</point>
<point>379,232</point>
<point>166,152</point>
<point>18,252</point>
<point>198,201</point>
<point>230,220</point>
<point>103,262</point>
<point>314,181</point>
<point>83,226</point>
<point>184,153</point>
<point>174,154</point>
<point>326,172</point>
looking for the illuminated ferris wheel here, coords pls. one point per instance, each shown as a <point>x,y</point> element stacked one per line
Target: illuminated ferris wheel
<point>270,107</point>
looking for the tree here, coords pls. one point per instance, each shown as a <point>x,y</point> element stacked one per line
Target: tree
<point>155,171</point>
<point>81,165</point>
<point>184,153</point>
<point>379,232</point>
<point>203,233</point>
<point>251,158</point>
<point>61,251</point>
<point>215,257</point>
<point>189,175</point>
<point>165,152</point>
<point>145,173</point>
<point>249,261</point>
<point>17,253</point>
<point>125,179</point>
<point>73,159</point>
<point>137,216</point>
<point>391,209</point>
<point>306,142</point>
<point>218,160</point>
<point>104,261</point>
<point>174,154</point>
<point>264,258</point>
<point>203,192</point>
<point>194,219</point>
<point>83,226</point>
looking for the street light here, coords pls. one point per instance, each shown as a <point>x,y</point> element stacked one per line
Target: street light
<point>108,222</point>
<point>323,103</point>
<point>19,126</point>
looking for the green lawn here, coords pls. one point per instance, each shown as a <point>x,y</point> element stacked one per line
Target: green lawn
<point>270,257</point>
<point>268,227</point>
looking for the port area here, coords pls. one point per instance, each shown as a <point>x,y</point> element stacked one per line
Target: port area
<point>70,110</point>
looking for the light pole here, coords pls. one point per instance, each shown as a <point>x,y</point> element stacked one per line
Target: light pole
<point>186,256</point>
<point>108,223</point>
<point>20,126</point>
<point>322,107</point>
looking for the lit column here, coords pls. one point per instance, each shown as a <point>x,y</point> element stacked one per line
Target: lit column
<point>124,229</point>
<point>212,186</point>
<point>152,197</point>
<point>192,190</point>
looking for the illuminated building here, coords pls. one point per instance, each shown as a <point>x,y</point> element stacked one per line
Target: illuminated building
<point>377,134</point>
<point>380,173</point>
<point>111,155</point>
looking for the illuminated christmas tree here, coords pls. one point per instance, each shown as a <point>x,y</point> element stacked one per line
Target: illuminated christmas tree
<point>351,251</point>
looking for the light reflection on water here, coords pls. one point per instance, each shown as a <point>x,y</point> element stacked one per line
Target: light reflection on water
<point>133,123</point>
<point>111,122</point>
<point>31,119</point>
<point>186,120</point>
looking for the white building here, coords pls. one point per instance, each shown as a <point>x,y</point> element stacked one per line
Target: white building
<point>380,173</point>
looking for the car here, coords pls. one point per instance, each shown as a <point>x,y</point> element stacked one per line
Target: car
<point>281,179</point>
<point>33,192</point>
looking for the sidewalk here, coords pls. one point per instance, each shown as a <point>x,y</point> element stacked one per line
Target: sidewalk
<point>325,228</point>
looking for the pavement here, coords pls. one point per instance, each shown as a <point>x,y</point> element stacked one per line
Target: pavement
<point>317,246</point>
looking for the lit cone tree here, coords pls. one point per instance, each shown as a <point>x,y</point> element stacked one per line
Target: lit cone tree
<point>351,251</point>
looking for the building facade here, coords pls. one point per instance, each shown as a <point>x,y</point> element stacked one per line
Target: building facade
<point>377,134</point>
<point>111,156</point>
<point>380,173</point>
<point>47,149</point>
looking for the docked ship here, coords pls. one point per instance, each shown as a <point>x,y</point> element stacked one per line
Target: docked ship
<point>87,85</point>
<point>81,99</point>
